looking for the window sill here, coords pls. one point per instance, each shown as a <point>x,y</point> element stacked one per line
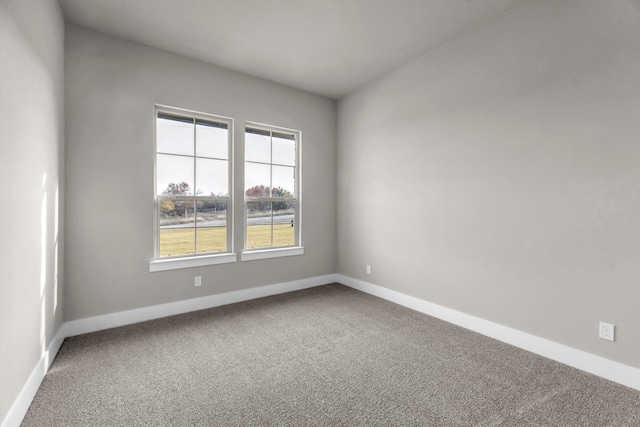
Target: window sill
<point>271,253</point>
<point>194,261</point>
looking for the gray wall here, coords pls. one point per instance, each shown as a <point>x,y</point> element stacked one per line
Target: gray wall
<point>111,87</point>
<point>31,152</point>
<point>499,175</point>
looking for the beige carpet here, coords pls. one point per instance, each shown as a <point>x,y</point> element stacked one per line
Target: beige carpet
<point>327,356</point>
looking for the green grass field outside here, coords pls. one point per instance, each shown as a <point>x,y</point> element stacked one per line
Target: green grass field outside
<point>180,241</point>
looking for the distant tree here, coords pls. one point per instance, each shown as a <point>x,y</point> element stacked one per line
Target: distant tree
<point>280,192</point>
<point>182,189</point>
<point>258,191</point>
<point>263,191</point>
<point>167,208</point>
<point>180,207</point>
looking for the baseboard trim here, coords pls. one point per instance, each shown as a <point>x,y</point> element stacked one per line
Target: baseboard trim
<point>605,368</point>
<point>21,405</point>
<point>122,318</point>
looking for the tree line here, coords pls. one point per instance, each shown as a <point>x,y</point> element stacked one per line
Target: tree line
<point>181,208</point>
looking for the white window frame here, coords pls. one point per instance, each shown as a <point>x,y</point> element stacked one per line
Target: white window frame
<point>192,260</point>
<point>277,251</point>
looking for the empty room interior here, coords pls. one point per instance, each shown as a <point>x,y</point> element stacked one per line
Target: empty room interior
<point>340,212</point>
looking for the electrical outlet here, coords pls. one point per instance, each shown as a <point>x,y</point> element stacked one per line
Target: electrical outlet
<point>607,331</point>
<point>198,281</point>
<point>368,269</point>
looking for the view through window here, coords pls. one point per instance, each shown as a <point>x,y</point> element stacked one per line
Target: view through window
<point>193,190</point>
<point>271,187</point>
<point>192,184</point>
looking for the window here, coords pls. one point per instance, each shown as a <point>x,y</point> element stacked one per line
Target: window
<point>192,184</point>
<point>193,189</point>
<point>272,188</point>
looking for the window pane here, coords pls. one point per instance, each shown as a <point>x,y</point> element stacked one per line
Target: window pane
<point>284,224</point>
<point>212,177</point>
<point>283,181</point>
<point>175,175</point>
<point>284,150</point>
<point>257,147</point>
<point>211,227</point>
<point>211,140</point>
<point>257,179</point>
<point>174,135</point>
<point>177,233</point>
<point>259,225</point>
<point>176,240</point>
<point>176,213</point>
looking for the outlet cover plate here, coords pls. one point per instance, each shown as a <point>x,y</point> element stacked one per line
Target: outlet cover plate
<point>607,331</point>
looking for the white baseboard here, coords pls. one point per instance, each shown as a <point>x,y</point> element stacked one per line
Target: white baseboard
<point>22,403</point>
<point>605,368</point>
<point>113,320</point>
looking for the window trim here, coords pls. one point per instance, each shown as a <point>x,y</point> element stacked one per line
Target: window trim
<point>159,263</point>
<point>281,251</point>
<point>275,251</point>
<point>164,264</point>
<point>197,260</point>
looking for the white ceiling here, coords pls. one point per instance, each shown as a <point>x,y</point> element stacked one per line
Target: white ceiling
<point>327,47</point>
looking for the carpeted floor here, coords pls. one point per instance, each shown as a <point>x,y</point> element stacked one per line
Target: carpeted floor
<point>328,356</point>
